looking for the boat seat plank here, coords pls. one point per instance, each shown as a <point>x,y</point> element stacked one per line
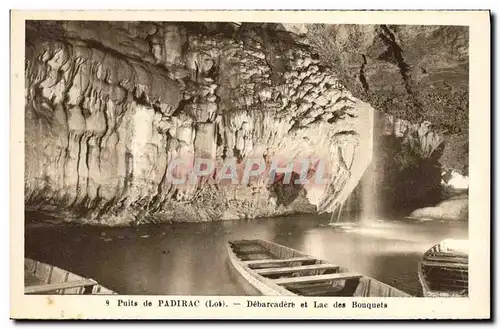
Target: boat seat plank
<point>251,252</point>
<point>244,243</point>
<point>447,256</point>
<point>247,245</point>
<point>448,259</point>
<point>278,260</point>
<point>303,268</point>
<point>254,256</point>
<point>318,278</point>
<point>321,291</point>
<point>58,286</point>
<point>449,265</point>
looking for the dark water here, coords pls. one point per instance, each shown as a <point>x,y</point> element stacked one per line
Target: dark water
<point>191,259</point>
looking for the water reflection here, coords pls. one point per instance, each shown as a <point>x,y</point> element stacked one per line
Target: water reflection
<point>191,259</point>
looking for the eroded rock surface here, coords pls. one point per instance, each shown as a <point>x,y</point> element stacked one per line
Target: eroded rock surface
<point>416,73</point>
<point>109,105</point>
<point>455,208</point>
<point>407,163</point>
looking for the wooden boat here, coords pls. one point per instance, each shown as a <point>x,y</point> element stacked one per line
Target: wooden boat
<point>45,279</point>
<point>444,270</point>
<point>275,270</point>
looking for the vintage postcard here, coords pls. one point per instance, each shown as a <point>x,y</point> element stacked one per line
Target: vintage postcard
<point>250,165</point>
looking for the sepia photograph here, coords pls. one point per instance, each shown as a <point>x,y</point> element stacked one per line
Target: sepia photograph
<point>246,158</point>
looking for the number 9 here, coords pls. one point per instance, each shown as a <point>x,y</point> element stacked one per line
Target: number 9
<point>107,302</point>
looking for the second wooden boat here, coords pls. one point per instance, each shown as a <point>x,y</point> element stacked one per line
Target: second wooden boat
<point>444,270</point>
<point>45,279</point>
<point>275,270</point>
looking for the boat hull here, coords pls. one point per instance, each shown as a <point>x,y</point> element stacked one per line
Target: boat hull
<point>324,278</point>
<point>443,272</point>
<point>44,279</point>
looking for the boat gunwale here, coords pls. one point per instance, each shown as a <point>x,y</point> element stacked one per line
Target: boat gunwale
<point>423,282</point>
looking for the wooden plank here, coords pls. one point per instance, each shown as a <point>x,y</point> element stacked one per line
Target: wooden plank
<point>278,260</point>
<point>447,254</point>
<point>446,265</point>
<point>243,242</point>
<point>316,291</point>
<point>448,259</point>
<point>251,252</point>
<point>292,269</point>
<point>58,286</point>
<point>248,246</point>
<point>318,278</point>
<point>437,281</point>
<point>254,256</point>
<point>446,271</point>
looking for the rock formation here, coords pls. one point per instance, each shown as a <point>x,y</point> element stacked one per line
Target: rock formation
<point>110,105</point>
<point>407,163</point>
<point>415,73</point>
<point>455,208</point>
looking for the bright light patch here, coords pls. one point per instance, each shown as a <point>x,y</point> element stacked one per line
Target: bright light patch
<point>458,181</point>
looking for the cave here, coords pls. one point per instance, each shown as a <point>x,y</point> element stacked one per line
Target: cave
<point>110,105</point>
<point>157,153</point>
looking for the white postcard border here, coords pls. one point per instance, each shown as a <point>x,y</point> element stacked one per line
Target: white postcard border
<point>477,305</point>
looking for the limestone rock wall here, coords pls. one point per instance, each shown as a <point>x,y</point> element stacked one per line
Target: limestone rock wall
<point>415,73</point>
<point>109,105</point>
